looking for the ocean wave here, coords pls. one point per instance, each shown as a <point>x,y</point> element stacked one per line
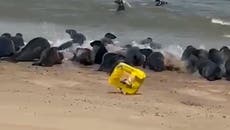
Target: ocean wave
<point>227,36</point>
<point>175,50</point>
<point>220,21</point>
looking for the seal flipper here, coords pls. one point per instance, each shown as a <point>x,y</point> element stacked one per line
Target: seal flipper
<point>65,45</point>
<point>36,63</point>
<point>9,59</point>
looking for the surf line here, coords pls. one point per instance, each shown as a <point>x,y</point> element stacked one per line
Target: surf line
<point>221,22</point>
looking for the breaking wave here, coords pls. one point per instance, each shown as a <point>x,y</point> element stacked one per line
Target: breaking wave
<point>220,21</point>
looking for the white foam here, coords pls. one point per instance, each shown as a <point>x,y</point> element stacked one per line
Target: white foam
<point>126,2</point>
<point>134,43</point>
<point>176,50</point>
<point>227,36</point>
<point>220,21</point>
<point>202,47</point>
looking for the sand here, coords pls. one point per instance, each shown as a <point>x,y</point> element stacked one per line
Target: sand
<point>73,97</point>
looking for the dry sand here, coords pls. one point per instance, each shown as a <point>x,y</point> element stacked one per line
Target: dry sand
<point>71,97</point>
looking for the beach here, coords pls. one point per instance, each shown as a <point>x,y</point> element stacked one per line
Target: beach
<point>71,96</point>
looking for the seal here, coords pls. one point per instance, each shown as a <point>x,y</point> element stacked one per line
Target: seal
<point>209,70</point>
<point>98,51</point>
<point>83,56</point>
<point>149,41</point>
<point>201,53</point>
<point>215,56</point>
<point>134,56</point>
<point>120,5</point>
<point>18,41</point>
<point>108,39</point>
<point>225,53</point>
<point>191,64</point>
<point>109,62</point>
<point>6,35</point>
<point>7,48</point>
<point>187,52</point>
<point>32,50</point>
<point>155,62</point>
<point>146,51</point>
<point>75,36</point>
<point>227,69</point>
<point>50,57</point>
<point>160,3</point>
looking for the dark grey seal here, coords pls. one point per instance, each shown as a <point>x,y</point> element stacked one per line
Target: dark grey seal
<point>149,41</point>
<point>146,51</point>
<point>108,39</point>
<point>227,69</point>
<point>160,3</point>
<point>83,56</point>
<point>215,56</point>
<point>98,51</point>
<point>109,62</point>
<point>187,52</point>
<point>209,70</point>
<point>134,56</point>
<point>50,57</point>
<point>120,5</point>
<point>155,62</point>
<point>18,41</point>
<point>76,37</point>
<point>32,50</point>
<point>225,53</point>
<point>7,47</point>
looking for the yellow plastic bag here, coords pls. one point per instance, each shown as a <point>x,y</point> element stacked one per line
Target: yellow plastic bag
<point>127,78</point>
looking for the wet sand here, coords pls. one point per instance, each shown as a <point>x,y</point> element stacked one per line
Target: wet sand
<point>72,97</point>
